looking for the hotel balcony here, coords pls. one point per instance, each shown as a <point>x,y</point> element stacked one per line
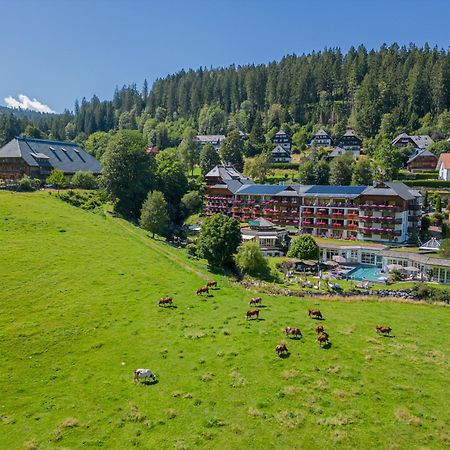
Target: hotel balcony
<point>390,208</point>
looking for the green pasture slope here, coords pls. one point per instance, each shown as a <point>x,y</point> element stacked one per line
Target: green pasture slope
<point>78,314</point>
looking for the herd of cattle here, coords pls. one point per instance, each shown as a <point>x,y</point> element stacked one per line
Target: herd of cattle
<point>281,349</point>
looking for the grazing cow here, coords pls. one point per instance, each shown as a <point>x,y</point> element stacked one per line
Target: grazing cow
<point>211,284</point>
<point>281,349</point>
<point>252,313</point>
<point>293,331</point>
<point>319,329</point>
<point>315,314</point>
<point>383,330</point>
<point>202,290</point>
<point>255,301</point>
<point>322,338</point>
<point>143,374</point>
<point>165,301</point>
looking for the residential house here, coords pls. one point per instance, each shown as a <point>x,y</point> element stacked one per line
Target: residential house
<point>422,161</point>
<point>338,151</point>
<point>349,141</point>
<point>214,139</point>
<point>405,140</point>
<point>321,139</point>
<point>283,139</point>
<point>38,157</point>
<point>280,155</point>
<point>443,166</point>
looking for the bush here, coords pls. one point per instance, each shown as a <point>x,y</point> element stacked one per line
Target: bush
<point>57,178</point>
<point>84,180</point>
<point>250,260</point>
<point>427,183</point>
<point>285,166</point>
<point>26,184</point>
<point>192,202</point>
<point>84,200</point>
<point>303,247</point>
<point>426,175</point>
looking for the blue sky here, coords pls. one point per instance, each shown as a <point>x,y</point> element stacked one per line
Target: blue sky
<point>58,50</point>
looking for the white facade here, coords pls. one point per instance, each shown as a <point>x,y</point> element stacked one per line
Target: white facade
<point>444,174</point>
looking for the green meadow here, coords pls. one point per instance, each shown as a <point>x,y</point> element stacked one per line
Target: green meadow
<point>78,313</point>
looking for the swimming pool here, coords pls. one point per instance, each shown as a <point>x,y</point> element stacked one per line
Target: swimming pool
<point>365,273</point>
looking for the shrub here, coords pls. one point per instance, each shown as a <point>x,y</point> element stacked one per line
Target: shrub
<point>427,183</point>
<point>250,260</point>
<point>57,178</point>
<point>84,180</point>
<point>26,184</point>
<point>285,166</point>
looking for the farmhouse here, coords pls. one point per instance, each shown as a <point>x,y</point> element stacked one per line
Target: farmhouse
<point>321,139</point>
<point>280,155</point>
<point>37,157</point>
<point>283,139</point>
<point>405,140</point>
<point>349,141</point>
<point>421,161</point>
<point>213,139</point>
<point>443,166</point>
<point>338,151</point>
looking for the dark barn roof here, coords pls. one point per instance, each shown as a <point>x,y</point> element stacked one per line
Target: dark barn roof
<point>66,156</point>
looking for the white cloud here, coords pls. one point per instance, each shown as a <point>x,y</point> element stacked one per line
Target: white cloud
<point>25,102</point>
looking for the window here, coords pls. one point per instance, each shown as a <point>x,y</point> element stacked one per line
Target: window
<point>367,258</point>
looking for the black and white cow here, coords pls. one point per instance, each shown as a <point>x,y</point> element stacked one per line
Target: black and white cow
<point>143,374</point>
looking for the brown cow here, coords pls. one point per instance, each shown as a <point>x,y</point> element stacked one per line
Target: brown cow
<point>281,349</point>
<point>315,314</point>
<point>165,301</point>
<point>252,313</point>
<point>293,331</point>
<point>322,338</point>
<point>202,290</point>
<point>383,330</point>
<point>211,284</point>
<point>255,301</point>
<point>319,329</point>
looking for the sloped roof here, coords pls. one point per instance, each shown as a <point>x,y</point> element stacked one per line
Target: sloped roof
<point>421,153</point>
<point>261,223</point>
<point>262,189</point>
<point>400,136</point>
<point>390,189</point>
<point>281,132</point>
<point>279,150</point>
<point>321,132</point>
<point>444,158</point>
<point>66,156</point>
<point>350,132</point>
<point>417,257</point>
<point>227,172</point>
<point>210,137</point>
<point>337,151</point>
<point>422,141</point>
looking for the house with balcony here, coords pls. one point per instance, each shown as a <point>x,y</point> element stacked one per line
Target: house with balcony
<point>422,161</point>
<point>321,139</point>
<point>280,155</point>
<point>331,211</point>
<point>419,141</point>
<point>214,139</point>
<point>338,151</point>
<point>283,139</point>
<point>272,240</point>
<point>349,141</point>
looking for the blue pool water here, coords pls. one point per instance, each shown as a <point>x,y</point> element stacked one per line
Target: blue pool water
<point>365,273</point>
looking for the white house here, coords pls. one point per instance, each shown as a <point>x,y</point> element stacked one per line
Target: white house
<point>443,167</point>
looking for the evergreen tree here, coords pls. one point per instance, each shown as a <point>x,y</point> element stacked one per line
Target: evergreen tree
<point>209,158</point>
<point>189,150</point>
<point>232,149</point>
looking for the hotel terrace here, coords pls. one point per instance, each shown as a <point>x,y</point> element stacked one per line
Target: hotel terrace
<point>385,212</point>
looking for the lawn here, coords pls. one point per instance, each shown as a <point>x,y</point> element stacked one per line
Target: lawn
<point>78,314</point>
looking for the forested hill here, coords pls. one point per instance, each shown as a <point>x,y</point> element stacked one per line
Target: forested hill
<point>398,85</point>
<point>391,89</point>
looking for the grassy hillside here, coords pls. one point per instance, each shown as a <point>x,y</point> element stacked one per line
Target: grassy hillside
<point>78,314</point>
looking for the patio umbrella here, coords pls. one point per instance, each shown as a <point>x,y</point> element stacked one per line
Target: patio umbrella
<point>412,269</point>
<point>339,259</point>
<point>395,267</point>
<point>331,263</point>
